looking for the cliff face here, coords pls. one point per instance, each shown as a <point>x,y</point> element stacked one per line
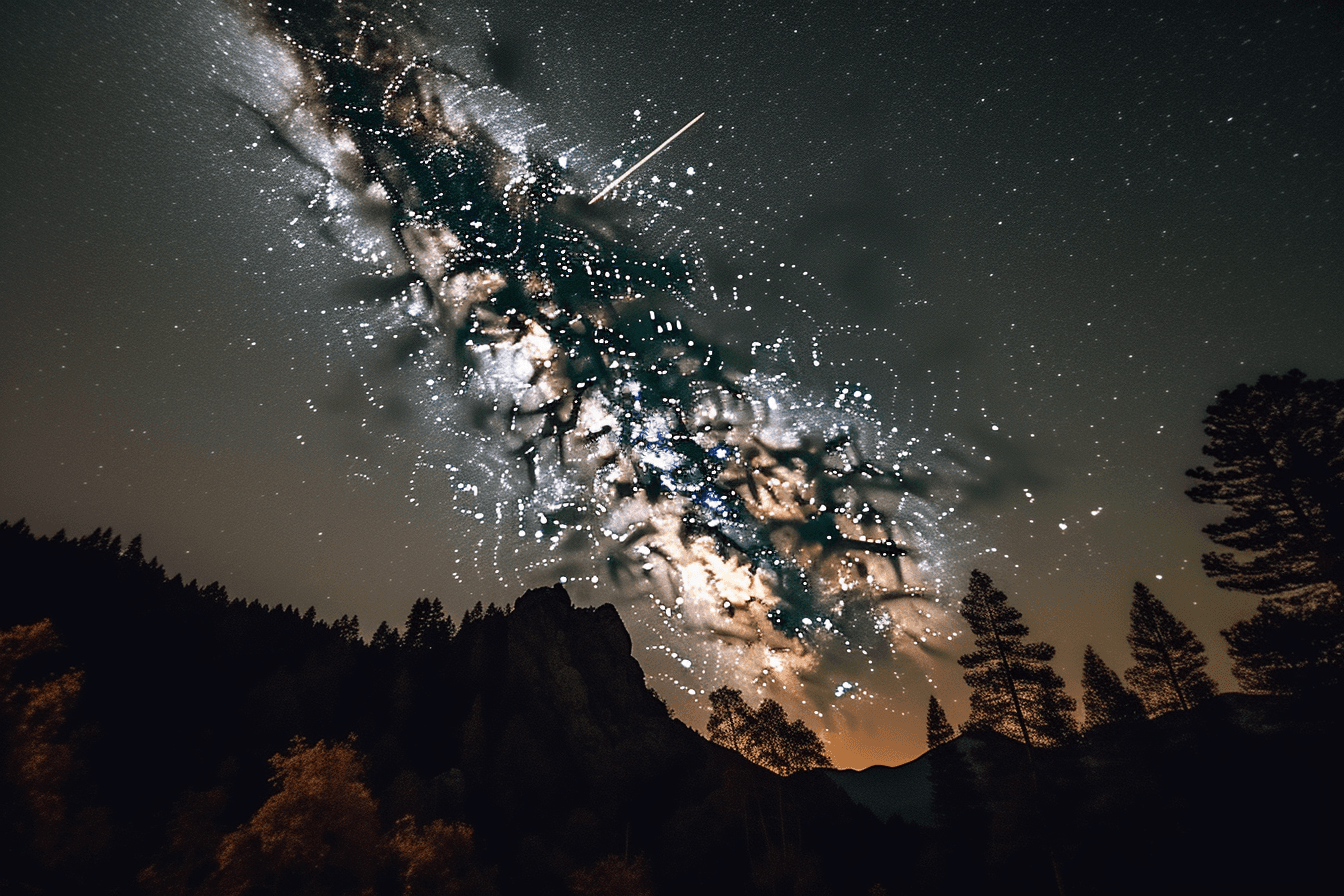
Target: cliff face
<point>560,721</point>
<point>567,756</point>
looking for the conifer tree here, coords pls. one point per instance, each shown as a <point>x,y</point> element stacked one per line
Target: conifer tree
<point>427,628</point>
<point>959,811</point>
<point>475,614</point>
<point>1105,698</point>
<point>1014,690</point>
<point>424,625</point>
<point>1278,450</point>
<point>1168,671</point>
<point>938,730</point>
<point>385,637</point>
<point>347,627</point>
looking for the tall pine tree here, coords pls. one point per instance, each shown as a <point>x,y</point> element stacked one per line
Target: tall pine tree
<point>1105,698</point>
<point>1014,690</point>
<point>1168,671</point>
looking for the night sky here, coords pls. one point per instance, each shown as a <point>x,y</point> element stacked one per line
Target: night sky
<point>1041,237</point>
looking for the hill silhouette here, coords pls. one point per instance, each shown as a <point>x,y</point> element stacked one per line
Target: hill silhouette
<point>159,737</point>
<point>533,725</point>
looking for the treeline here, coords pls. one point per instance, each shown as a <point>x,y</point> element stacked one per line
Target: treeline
<point>1147,793</point>
<point>1028,788</point>
<point>160,737</point>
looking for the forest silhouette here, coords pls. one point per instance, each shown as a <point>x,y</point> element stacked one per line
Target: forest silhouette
<point>160,737</point>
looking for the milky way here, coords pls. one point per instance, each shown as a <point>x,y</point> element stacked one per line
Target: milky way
<point>769,535</point>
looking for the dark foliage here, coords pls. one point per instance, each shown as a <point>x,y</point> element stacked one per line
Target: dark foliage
<point>427,626</point>
<point>1278,450</point>
<point>938,730</point>
<point>1290,651</point>
<point>1105,699</point>
<point>533,726</point>
<point>957,853</point>
<point>764,735</point>
<point>1014,690</point>
<point>1168,671</point>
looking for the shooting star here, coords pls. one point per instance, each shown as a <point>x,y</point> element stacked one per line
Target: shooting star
<point>635,167</point>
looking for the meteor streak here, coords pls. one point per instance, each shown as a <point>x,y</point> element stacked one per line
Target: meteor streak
<point>635,167</point>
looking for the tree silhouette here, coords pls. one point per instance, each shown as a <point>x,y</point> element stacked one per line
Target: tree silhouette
<point>938,730</point>
<point>1168,671</point>
<point>427,628</point>
<point>1014,690</point>
<point>784,746</point>
<point>1290,651</point>
<point>764,735</point>
<point>959,811</point>
<point>729,718</point>
<point>1105,698</point>
<point>1278,450</point>
<point>385,637</point>
<point>347,627</point>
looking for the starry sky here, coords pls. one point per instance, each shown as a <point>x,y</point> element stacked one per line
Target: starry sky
<point>1042,237</point>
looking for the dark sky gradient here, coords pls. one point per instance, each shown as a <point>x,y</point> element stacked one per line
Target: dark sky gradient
<point>1048,234</point>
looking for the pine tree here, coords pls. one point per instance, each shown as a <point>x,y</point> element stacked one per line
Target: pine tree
<point>426,626</point>
<point>1278,450</point>
<point>939,730</point>
<point>417,624</point>
<point>1168,671</point>
<point>957,853</point>
<point>385,637</point>
<point>1105,699</point>
<point>1014,690</point>
<point>475,614</point>
<point>347,627</point>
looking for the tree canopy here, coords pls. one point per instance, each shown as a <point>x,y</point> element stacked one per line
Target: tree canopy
<point>764,735</point>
